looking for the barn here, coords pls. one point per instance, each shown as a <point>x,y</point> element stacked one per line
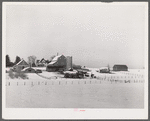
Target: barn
<point>28,70</point>
<point>58,63</point>
<point>20,65</point>
<point>120,68</point>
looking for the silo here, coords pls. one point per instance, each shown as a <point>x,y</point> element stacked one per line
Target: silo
<point>69,62</point>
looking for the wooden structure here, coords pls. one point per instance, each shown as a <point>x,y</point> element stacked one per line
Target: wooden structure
<point>57,64</point>
<point>120,68</point>
<point>20,65</point>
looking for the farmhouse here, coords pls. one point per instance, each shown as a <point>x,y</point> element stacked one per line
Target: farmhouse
<point>120,68</point>
<point>20,65</point>
<point>41,63</point>
<point>60,63</point>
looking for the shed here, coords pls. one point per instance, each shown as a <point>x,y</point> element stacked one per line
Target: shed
<point>120,68</point>
<point>104,70</point>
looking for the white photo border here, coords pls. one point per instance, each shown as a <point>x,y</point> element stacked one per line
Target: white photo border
<point>54,113</point>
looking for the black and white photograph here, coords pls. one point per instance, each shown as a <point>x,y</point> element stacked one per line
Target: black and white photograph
<point>75,60</point>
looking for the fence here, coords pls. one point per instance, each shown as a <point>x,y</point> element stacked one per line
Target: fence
<point>70,82</point>
<point>122,77</point>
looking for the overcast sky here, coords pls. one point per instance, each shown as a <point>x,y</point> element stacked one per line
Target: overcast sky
<point>94,35</point>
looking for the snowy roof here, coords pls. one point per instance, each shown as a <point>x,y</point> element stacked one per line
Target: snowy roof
<point>103,68</point>
<point>42,60</point>
<point>27,68</point>
<point>52,62</point>
<point>23,62</point>
<point>56,58</point>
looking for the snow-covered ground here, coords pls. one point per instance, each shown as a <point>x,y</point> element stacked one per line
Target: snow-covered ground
<point>105,91</point>
<point>52,94</point>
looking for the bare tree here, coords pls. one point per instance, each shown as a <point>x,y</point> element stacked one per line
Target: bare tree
<point>108,67</point>
<point>31,60</point>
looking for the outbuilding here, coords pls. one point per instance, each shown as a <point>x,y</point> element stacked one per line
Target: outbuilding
<point>120,68</point>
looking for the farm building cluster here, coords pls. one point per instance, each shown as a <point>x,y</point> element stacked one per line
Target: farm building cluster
<point>58,63</point>
<point>63,64</point>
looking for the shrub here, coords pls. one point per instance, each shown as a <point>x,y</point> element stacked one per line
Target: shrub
<point>17,74</point>
<point>21,75</point>
<point>11,74</point>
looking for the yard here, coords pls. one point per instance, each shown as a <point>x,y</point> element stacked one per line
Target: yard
<point>38,92</point>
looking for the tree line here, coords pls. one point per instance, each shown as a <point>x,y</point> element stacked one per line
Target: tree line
<point>9,63</point>
<point>32,61</point>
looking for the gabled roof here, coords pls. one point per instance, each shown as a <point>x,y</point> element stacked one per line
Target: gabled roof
<point>28,68</point>
<point>22,62</point>
<point>56,57</point>
<point>42,60</point>
<point>53,62</point>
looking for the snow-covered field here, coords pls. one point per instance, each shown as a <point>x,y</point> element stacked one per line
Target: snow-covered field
<point>106,91</point>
